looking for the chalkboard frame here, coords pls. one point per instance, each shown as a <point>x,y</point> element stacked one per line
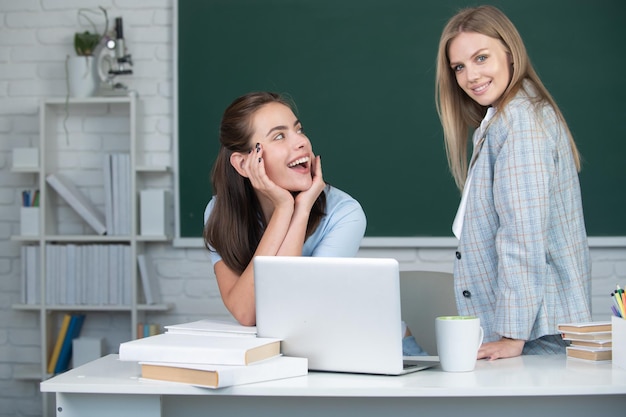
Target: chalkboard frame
<point>568,43</point>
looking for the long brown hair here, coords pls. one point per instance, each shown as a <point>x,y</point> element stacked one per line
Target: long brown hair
<point>457,111</point>
<point>236,224</point>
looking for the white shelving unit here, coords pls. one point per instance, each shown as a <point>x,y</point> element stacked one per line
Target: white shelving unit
<point>74,136</point>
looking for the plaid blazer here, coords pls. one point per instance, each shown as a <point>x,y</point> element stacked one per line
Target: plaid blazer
<point>522,263</point>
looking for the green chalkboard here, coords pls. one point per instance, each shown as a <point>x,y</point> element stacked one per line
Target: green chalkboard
<point>362,74</point>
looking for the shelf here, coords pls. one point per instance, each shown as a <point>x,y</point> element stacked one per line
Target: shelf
<point>153,168</point>
<point>29,170</point>
<point>88,100</point>
<point>89,307</point>
<point>91,238</point>
<point>117,117</point>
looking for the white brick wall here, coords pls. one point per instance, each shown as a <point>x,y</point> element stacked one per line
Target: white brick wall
<point>35,36</point>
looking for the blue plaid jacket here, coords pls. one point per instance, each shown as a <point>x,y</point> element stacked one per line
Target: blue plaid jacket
<point>523,260</point>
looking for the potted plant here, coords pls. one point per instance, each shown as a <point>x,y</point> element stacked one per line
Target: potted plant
<point>85,43</point>
<point>82,76</point>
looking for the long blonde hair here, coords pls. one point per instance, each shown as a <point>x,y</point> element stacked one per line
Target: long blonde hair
<point>457,111</point>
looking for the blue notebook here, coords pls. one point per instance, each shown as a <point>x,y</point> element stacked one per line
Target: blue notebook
<point>73,330</point>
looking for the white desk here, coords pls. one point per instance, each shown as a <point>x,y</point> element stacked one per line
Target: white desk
<point>523,386</point>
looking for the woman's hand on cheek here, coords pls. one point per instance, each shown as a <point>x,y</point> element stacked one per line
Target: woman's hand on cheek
<point>308,197</point>
<point>255,168</point>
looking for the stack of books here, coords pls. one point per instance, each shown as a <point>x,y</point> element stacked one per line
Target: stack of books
<point>211,354</point>
<point>590,341</point>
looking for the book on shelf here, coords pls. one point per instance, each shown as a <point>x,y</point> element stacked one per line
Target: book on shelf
<point>78,201</point>
<point>228,328</point>
<point>589,353</point>
<point>582,327</point>
<point>73,331</point>
<point>31,289</point>
<point>147,329</point>
<point>219,376</point>
<point>191,348</point>
<point>149,281</point>
<point>116,169</point>
<point>54,358</point>
<point>91,274</point>
<point>108,192</point>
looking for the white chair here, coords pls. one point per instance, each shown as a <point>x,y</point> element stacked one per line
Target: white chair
<point>426,295</point>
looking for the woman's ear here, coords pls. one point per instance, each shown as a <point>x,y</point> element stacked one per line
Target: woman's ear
<point>237,160</point>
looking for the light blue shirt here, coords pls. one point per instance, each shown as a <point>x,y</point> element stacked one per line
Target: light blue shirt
<point>339,233</point>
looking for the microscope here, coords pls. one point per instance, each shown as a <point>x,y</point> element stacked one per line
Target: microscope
<point>113,61</point>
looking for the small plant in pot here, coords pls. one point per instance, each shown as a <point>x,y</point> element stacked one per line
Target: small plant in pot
<point>81,75</point>
<point>85,43</point>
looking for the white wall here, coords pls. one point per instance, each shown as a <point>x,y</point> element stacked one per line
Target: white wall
<point>35,36</point>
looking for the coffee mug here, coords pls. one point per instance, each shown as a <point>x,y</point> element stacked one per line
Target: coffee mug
<point>458,340</point>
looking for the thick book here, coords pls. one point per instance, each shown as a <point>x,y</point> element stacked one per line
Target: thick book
<point>213,327</point>
<point>219,376</point>
<point>590,327</point>
<point>192,348</point>
<point>73,331</point>
<point>78,201</point>
<point>591,354</point>
<point>586,336</point>
<point>593,343</point>
<point>54,358</point>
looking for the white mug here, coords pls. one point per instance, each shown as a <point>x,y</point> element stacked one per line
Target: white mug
<point>458,340</point>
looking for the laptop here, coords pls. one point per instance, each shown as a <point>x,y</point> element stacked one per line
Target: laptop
<point>343,314</point>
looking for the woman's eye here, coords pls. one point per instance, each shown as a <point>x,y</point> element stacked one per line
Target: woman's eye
<point>279,136</point>
<point>481,58</point>
<point>300,129</point>
<point>457,68</point>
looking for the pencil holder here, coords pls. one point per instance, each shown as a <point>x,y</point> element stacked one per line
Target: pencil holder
<point>618,327</point>
<point>29,221</point>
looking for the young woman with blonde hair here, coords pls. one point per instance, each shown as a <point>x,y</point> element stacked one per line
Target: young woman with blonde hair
<point>522,263</point>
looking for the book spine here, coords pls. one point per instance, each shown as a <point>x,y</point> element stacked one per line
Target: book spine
<point>74,328</point>
<point>52,363</point>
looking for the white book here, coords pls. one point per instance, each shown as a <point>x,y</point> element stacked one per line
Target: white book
<point>108,193</point>
<point>219,376</point>
<point>49,284</point>
<point>85,274</point>
<point>80,276</point>
<point>104,274</point>
<point>126,273</point>
<point>188,348</point>
<point>126,195</point>
<point>23,275</point>
<point>213,327</point>
<point>149,282</point>
<point>61,274</point>
<point>91,277</point>
<point>121,277</point>
<point>113,278</point>
<point>78,201</point>
<point>115,190</point>
<point>70,285</point>
<point>32,274</point>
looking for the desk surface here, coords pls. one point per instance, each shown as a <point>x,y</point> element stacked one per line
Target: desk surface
<point>522,376</point>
